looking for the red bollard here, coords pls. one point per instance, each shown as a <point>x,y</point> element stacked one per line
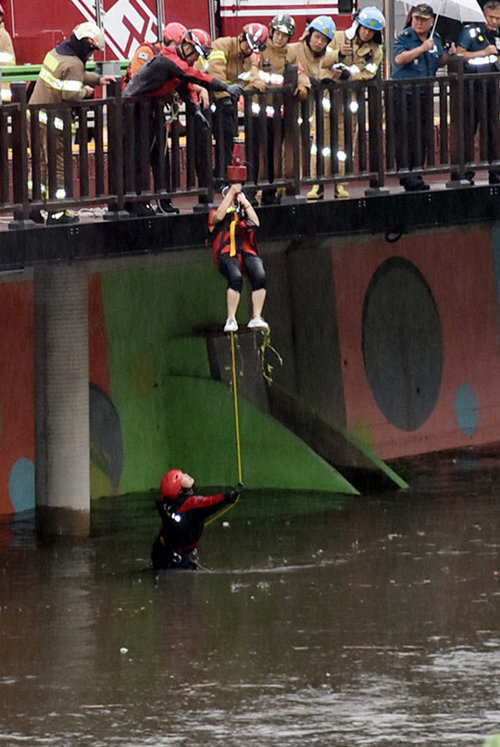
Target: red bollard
<point>237,171</point>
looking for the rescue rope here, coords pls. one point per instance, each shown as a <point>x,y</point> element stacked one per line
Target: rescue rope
<point>237,428</point>
<point>236,408</point>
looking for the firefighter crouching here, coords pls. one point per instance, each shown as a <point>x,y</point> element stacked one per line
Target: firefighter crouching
<point>63,80</point>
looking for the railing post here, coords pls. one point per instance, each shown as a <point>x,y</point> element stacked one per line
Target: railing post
<point>376,137</point>
<point>457,121</point>
<point>115,149</point>
<point>20,162</point>
<point>291,146</point>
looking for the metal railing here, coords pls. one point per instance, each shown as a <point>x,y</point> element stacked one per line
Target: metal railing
<point>113,151</point>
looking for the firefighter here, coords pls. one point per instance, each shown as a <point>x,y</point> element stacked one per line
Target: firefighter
<point>183,516</point>
<point>7,54</point>
<point>359,49</point>
<point>64,80</point>
<point>233,59</point>
<point>276,59</point>
<point>314,56</point>
<point>173,34</point>
<point>171,71</point>
<point>232,226</point>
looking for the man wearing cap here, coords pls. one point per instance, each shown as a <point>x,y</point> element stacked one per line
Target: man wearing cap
<point>417,54</point>
<point>479,43</point>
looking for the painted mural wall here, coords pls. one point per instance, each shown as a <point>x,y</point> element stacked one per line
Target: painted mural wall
<point>398,342</point>
<point>407,354</point>
<point>153,401</point>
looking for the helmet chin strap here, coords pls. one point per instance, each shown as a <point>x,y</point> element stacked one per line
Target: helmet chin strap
<point>315,54</point>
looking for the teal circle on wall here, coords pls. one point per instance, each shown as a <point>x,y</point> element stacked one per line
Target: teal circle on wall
<point>467,409</point>
<point>22,485</point>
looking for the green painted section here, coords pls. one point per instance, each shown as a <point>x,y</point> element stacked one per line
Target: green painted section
<point>171,411</point>
<point>202,438</point>
<point>372,457</point>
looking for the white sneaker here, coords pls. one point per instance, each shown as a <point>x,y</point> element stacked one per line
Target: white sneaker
<point>231,325</point>
<point>257,323</point>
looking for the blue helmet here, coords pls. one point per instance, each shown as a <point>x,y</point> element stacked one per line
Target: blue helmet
<point>324,24</point>
<point>371,18</point>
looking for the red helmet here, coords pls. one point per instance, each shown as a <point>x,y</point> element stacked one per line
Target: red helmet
<point>200,40</point>
<point>256,35</point>
<point>174,32</point>
<point>171,485</point>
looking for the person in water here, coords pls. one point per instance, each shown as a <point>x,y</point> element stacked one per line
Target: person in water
<point>183,515</point>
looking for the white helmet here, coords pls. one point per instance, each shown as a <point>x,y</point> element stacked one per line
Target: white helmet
<point>92,32</point>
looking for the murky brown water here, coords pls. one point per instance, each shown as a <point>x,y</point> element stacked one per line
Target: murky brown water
<point>323,621</point>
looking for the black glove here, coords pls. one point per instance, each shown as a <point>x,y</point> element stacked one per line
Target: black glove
<point>235,90</point>
<point>201,119</point>
<point>233,494</point>
<point>345,73</point>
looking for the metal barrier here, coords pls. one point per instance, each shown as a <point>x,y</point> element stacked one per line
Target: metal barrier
<point>114,151</point>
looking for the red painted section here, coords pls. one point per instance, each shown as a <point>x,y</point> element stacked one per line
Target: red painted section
<point>460,272</point>
<point>127,24</point>
<point>98,346</point>
<point>17,404</point>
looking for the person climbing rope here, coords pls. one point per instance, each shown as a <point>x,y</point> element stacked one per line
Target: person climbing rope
<point>183,516</point>
<point>232,226</point>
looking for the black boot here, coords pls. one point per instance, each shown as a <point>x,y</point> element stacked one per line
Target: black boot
<point>166,207</point>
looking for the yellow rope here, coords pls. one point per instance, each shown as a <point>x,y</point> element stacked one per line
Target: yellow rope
<point>236,409</point>
<point>237,426</point>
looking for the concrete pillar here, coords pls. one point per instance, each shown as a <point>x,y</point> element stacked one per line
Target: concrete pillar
<point>62,399</point>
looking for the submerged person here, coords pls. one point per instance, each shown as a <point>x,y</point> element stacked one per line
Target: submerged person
<point>183,515</point>
<point>232,226</point>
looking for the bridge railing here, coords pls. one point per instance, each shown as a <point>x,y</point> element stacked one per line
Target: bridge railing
<point>113,151</point>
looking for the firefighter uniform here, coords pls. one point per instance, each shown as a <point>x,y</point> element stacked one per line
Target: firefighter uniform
<point>363,63</point>
<point>227,62</point>
<point>274,61</point>
<point>364,59</point>
<point>62,79</point>
<point>317,68</point>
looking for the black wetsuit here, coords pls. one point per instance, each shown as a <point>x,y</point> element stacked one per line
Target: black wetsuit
<point>183,521</point>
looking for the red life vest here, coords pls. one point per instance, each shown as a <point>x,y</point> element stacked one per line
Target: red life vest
<point>232,235</point>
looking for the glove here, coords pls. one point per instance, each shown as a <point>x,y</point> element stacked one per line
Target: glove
<point>233,494</point>
<point>201,119</point>
<point>345,73</point>
<point>259,85</point>
<point>235,90</point>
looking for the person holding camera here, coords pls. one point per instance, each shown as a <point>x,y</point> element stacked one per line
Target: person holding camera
<point>315,58</point>
<point>359,52</point>
<point>183,516</point>
<point>232,227</point>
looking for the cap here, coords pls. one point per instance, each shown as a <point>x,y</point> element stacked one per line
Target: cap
<point>423,11</point>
